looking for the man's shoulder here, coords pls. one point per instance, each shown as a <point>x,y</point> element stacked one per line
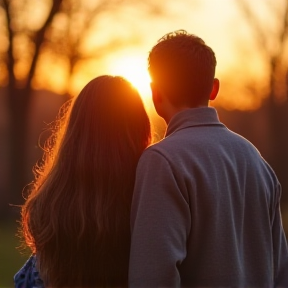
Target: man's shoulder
<point>155,148</point>
<point>163,146</point>
<point>156,152</point>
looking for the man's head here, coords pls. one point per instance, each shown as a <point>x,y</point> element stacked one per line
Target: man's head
<point>182,69</point>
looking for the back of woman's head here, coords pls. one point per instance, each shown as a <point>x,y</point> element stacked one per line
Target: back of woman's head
<point>76,217</point>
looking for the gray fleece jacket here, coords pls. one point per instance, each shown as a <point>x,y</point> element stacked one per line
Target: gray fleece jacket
<point>205,210</point>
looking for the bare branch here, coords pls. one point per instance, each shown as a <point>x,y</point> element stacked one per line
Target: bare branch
<point>284,32</point>
<point>39,37</point>
<point>257,28</point>
<point>10,59</point>
<point>74,47</point>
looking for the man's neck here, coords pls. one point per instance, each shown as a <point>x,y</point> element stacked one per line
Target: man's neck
<point>175,110</point>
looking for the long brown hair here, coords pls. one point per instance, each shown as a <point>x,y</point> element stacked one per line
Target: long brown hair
<point>76,217</point>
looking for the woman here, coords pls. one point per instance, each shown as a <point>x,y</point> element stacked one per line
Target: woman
<point>76,217</point>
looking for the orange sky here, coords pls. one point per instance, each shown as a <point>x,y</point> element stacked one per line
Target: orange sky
<point>219,23</point>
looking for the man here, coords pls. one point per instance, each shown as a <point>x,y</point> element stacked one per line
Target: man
<point>205,210</point>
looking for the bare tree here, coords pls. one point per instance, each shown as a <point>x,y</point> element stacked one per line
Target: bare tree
<point>19,89</point>
<point>268,24</point>
<point>26,42</point>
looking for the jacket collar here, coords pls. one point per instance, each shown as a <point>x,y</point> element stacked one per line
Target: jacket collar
<point>192,117</point>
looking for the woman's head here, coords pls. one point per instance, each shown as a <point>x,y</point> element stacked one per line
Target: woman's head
<point>79,205</point>
<point>109,115</point>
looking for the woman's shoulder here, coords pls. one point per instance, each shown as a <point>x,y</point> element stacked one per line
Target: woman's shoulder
<point>28,275</point>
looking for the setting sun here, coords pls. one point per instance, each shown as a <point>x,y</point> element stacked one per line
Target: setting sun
<point>134,69</point>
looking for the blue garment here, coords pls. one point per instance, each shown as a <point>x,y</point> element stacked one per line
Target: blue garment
<point>206,210</point>
<point>28,276</point>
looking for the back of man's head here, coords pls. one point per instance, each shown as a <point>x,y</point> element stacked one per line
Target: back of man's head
<point>182,66</point>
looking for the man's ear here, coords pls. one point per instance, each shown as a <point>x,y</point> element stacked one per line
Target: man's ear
<point>215,89</point>
<point>156,95</point>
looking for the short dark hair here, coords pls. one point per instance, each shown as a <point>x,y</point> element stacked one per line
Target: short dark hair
<point>184,67</point>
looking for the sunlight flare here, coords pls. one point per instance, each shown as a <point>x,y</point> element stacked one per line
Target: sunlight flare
<point>134,69</point>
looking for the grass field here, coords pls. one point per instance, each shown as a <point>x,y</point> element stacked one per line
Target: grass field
<point>10,258</point>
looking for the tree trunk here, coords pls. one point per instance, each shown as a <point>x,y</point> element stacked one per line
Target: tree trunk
<point>18,105</point>
<point>278,158</point>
